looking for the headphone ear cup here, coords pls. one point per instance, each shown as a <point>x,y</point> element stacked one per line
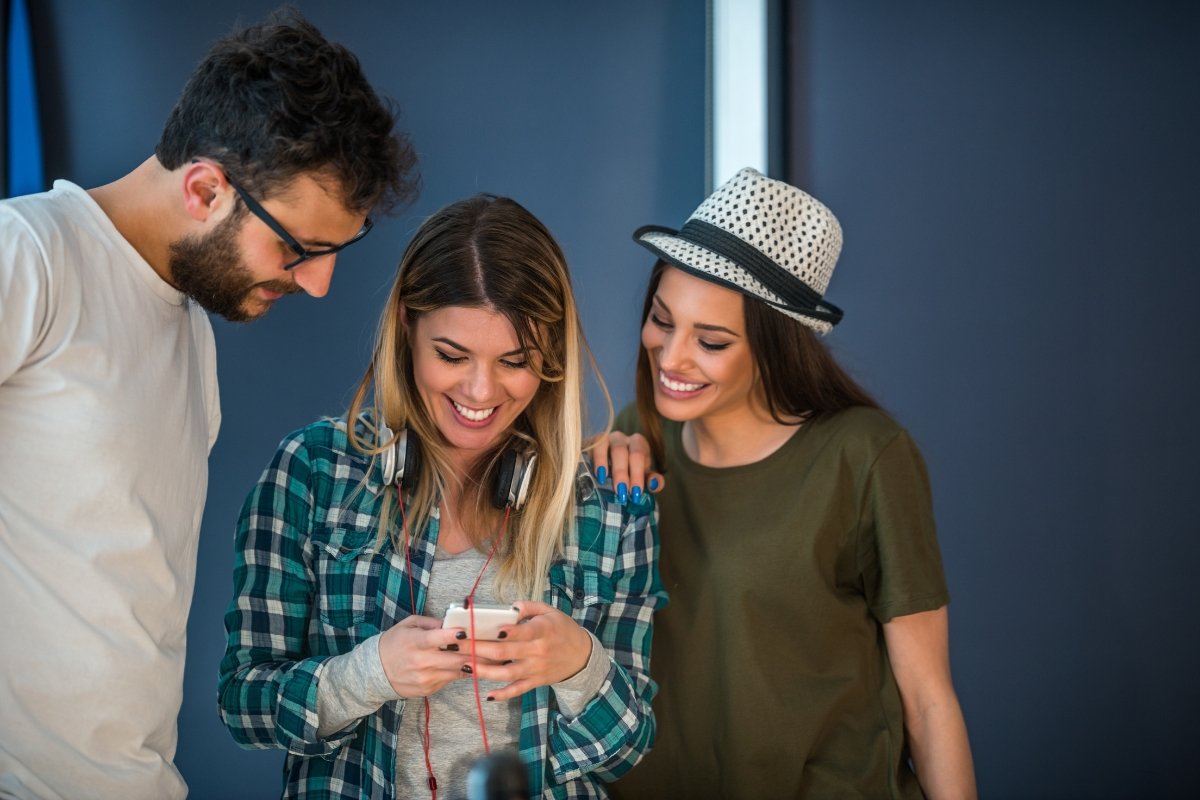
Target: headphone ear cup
<point>407,458</point>
<point>504,476</point>
<point>387,456</point>
<point>513,477</point>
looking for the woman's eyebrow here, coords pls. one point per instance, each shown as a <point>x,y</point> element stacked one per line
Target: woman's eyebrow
<point>448,341</point>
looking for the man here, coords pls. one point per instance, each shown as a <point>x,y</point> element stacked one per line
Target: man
<point>268,166</point>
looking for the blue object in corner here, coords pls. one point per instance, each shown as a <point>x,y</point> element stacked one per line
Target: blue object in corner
<point>25,172</point>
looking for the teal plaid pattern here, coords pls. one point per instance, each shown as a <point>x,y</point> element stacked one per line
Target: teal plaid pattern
<point>310,582</point>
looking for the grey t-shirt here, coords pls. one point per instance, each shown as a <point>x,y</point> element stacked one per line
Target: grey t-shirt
<point>354,685</point>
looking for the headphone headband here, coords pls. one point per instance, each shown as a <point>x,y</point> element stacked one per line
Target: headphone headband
<point>401,463</point>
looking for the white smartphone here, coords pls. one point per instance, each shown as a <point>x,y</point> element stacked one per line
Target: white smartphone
<point>488,619</point>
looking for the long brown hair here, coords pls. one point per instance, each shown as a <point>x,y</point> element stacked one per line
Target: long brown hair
<point>798,376</point>
<point>487,252</point>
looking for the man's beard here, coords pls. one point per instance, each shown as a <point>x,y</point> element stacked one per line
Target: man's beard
<point>210,270</point>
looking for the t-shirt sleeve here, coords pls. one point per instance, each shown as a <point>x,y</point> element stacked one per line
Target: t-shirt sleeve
<point>24,295</point>
<point>202,334</point>
<point>900,563</point>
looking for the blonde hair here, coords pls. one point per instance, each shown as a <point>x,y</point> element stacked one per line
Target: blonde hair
<point>487,252</point>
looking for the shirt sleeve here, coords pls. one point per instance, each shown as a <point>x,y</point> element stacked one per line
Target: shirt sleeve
<point>575,692</point>
<point>354,686</point>
<point>202,334</point>
<point>268,689</point>
<point>900,563</point>
<point>24,295</point>
<point>616,727</point>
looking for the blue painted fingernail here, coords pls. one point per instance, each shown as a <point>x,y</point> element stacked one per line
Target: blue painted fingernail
<point>622,493</point>
<point>636,497</point>
<point>460,635</point>
<point>601,475</point>
<point>653,484</point>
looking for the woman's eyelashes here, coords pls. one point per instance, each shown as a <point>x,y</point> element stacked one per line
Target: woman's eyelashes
<point>449,359</point>
<point>711,347</point>
<point>660,322</point>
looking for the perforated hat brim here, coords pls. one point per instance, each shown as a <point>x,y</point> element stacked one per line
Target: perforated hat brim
<point>762,237</point>
<point>698,260</point>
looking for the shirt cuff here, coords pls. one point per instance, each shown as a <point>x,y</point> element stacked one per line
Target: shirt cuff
<point>577,691</point>
<point>352,686</point>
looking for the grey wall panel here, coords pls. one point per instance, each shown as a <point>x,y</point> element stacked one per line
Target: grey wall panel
<point>1016,182</point>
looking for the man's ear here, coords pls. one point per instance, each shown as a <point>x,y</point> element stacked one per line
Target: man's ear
<point>205,190</point>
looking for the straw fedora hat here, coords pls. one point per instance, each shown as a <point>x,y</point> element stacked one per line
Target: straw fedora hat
<point>764,238</point>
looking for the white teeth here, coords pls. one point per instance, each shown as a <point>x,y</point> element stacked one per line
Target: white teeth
<point>472,414</point>
<point>675,386</point>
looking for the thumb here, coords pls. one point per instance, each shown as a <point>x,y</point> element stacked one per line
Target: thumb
<point>417,621</point>
<point>527,609</point>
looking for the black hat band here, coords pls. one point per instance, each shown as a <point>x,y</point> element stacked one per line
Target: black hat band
<point>798,296</point>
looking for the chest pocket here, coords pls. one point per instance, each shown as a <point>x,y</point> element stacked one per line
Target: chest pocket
<point>347,567</point>
<point>581,592</point>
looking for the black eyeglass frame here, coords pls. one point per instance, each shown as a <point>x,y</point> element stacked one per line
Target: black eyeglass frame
<point>300,250</point>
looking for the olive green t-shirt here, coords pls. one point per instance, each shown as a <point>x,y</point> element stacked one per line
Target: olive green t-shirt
<point>773,674</point>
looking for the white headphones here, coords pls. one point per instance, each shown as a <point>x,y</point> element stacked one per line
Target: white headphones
<point>401,464</point>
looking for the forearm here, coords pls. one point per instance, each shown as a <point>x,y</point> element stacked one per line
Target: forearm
<point>576,692</point>
<point>608,737</point>
<point>919,648</point>
<point>272,704</point>
<point>352,686</point>
<point>940,751</point>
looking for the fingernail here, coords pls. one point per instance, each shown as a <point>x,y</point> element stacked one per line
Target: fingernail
<point>622,493</point>
<point>502,635</point>
<point>636,497</point>
<point>653,484</point>
<point>460,635</point>
<point>490,698</point>
<point>453,647</point>
<point>517,609</point>
<point>467,668</point>
<point>601,475</point>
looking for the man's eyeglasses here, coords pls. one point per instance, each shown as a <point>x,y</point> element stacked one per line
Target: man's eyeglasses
<point>301,252</point>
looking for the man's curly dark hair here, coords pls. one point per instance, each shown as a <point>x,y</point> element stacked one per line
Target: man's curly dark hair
<point>277,100</point>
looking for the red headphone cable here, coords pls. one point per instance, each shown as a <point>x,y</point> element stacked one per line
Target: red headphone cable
<point>470,603</point>
<point>412,604</point>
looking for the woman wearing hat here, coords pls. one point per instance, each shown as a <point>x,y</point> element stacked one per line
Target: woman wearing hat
<point>804,652</point>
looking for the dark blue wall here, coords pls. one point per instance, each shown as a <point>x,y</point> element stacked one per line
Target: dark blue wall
<point>591,115</point>
<point>1018,182</point>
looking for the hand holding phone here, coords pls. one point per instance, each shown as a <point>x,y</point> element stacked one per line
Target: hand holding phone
<point>488,619</point>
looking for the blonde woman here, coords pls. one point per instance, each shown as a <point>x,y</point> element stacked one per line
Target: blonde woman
<point>455,477</point>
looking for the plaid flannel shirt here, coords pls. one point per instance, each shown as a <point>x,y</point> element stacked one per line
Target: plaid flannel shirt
<point>311,583</point>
